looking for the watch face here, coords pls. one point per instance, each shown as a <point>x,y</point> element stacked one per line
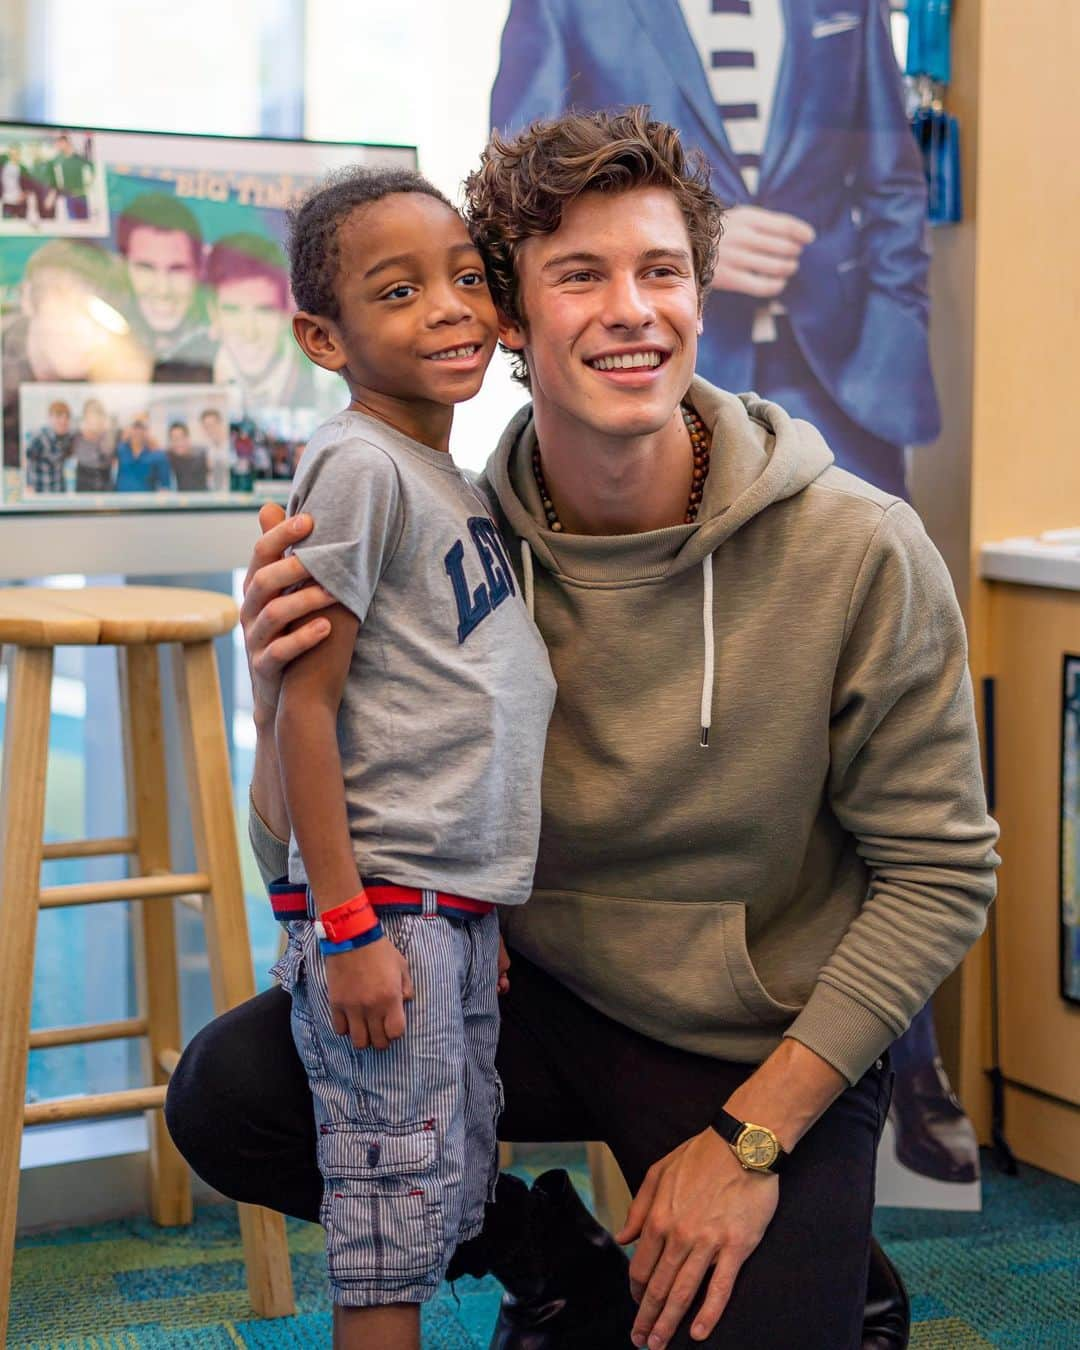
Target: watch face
<point>757,1147</point>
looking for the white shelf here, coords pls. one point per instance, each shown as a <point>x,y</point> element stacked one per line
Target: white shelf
<point>151,543</point>
<point>1052,559</point>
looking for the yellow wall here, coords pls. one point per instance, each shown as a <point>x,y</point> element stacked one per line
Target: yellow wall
<point>1024,102</point>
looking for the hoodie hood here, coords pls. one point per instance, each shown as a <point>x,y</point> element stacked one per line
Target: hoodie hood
<point>760,455</point>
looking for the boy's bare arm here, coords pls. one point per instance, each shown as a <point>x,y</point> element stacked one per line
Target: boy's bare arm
<point>281,618</point>
<point>311,774</point>
<point>367,985</point>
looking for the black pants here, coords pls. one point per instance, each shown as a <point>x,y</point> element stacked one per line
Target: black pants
<point>240,1111</point>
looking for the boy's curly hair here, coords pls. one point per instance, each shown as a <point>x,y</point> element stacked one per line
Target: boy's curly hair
<point>525,181</point>
<point>314,222</point>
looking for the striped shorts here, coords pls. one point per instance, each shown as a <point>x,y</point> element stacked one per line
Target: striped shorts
<point>406,1136</point>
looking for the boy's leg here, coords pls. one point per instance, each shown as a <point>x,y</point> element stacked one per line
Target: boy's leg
<point>395,1327</point>
<point>390,1134</point>
<point>239,1106</point>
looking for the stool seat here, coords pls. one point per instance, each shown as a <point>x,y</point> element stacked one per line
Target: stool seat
<point>119,616</point>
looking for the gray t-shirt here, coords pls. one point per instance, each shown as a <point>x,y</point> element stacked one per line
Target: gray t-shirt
<point>443,720</point>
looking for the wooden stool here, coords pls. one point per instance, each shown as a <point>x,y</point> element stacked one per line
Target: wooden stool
<point>135,619</point>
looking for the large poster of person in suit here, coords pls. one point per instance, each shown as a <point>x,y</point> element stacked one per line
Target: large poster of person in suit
<point>820,298</point>
<point>174,274</point>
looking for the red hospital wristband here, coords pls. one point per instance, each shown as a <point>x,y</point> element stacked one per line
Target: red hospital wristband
<point>351,919</point>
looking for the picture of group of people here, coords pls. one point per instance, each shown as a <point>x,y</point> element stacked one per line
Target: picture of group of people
<point>47,181</point>
<point>125,439</point>
<point>186,286</point>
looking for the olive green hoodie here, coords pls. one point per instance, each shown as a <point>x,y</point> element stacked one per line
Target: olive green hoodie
<point>824,861</point>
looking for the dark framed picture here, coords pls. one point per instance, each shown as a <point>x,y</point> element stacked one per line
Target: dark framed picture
<point>1070,829</point>
<point>146,352</point>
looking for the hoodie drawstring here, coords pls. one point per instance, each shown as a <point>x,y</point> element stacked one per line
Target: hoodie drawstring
<point>710,662</point>
<point>709,677</point>
<point>527,568</point>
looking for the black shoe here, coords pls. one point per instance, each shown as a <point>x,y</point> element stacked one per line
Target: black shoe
<point>887,1321</point>
<point>933,1135</point>
<point>568,1282</point>
<point>568,1287</point>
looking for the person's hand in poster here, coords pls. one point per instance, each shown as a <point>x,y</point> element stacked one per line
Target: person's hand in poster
<point>759,251</point>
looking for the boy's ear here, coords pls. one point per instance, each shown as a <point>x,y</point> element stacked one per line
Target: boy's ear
<point>512,334</point>
<point>319,340</point>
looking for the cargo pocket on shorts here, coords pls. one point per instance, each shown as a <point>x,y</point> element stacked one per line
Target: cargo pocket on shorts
<point>382,1215</point>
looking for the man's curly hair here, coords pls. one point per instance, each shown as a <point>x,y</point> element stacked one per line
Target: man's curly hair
<point>313,225</point>
<point>525,181</point>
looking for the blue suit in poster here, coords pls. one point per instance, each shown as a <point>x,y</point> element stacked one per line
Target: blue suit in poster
<point>853,354</point>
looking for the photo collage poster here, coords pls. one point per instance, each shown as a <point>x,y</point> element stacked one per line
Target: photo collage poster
<point>146,348</point>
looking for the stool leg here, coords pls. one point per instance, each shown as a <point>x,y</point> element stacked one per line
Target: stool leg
<point>154,923</point>
<point>611,1195</point>
<point>22,830</point>
<point>214,827</point>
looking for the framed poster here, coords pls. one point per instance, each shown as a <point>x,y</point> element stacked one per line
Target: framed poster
<point>1070,829</point>
<point>146,349</point>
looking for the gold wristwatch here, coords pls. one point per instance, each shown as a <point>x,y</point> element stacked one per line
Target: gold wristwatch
<point>755,1146</point>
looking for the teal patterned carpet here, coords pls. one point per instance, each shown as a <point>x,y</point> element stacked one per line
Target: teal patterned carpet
<point>1009,1276</point>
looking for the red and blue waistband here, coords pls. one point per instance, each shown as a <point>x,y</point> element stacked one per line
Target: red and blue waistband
<point>289,900</point>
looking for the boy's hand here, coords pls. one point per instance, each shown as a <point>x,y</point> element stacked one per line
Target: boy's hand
<point>503,985</point>
<point>368,989</point>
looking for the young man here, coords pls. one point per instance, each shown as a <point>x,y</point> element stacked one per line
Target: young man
<point>822,267</point>
<point>49,451</point>
<point>765,840</point>
<point>73,177</point>
<point>67,327</point>
<point>188,462</point>
<point>140,465</point>
<point>218,448</point>
<point>13,186</point>
<point>251,313</point>
<point>161,243</point>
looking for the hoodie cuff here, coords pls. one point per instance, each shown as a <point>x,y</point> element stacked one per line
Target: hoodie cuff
<point>844,1032</point>
<point>271,853</point>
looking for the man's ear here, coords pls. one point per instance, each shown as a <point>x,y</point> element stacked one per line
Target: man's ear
<point>512,333</point>
<point>319,340</point>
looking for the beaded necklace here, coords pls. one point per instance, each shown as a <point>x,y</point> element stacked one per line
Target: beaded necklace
<point>699,444</point>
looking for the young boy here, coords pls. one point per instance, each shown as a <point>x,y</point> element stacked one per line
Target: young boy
<point>410,745</point>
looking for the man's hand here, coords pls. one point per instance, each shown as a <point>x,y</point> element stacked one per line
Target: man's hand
<point>279,627</point>
<point>368,989</point>
<point>759,251</point>
<point>696,1208</point>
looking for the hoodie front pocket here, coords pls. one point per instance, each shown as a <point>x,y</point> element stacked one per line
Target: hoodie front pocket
<point>676,970</point>
<point>745,980</point>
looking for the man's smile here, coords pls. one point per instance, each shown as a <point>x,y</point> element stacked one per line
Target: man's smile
<point>629,365</point>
